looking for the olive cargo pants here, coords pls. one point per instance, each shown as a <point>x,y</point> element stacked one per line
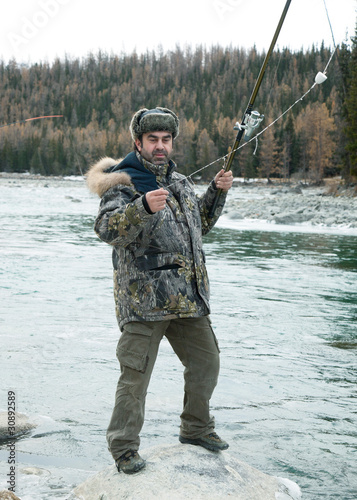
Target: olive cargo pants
<point>195,344</point>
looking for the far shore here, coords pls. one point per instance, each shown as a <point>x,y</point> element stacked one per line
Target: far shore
<point>328,204</point>
<point>334,186</point>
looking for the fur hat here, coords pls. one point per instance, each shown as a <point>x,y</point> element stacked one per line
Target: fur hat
<point>157,119</point>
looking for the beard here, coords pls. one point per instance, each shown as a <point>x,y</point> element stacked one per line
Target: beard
<point>156,157</point>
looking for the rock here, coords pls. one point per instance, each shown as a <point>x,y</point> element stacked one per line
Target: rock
<point>296,190</point>
<point>187,473</point>
<point>74,200</point>
<point>235,215</point>
<point>35,471</point>
<point>292,218</point>
<point>22,425</point>
<point>8,495</point>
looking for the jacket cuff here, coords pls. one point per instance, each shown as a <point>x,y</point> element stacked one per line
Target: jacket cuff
<point>146,205</point>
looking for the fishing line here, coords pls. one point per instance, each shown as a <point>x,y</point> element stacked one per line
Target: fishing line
<point>320,78</point>
<point>328,64</point>
<point>255,138</point>
<point>334,43</point>
<point>31,119</point>
<point>328,18</point>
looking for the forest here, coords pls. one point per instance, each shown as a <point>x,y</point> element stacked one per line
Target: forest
<point>209,89</point>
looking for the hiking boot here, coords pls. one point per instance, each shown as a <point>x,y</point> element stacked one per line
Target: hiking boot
<point>130,462</point>
<point>211,442</point>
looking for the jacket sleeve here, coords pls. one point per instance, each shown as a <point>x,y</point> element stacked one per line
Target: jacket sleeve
<point>121,218</point>
<point>205,203</point>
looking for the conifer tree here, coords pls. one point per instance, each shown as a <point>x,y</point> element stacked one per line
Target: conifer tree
<point>208,88</point>
<point>351,110</point>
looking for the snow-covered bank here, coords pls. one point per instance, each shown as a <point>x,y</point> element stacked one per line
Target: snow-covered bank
<point>268,207</point>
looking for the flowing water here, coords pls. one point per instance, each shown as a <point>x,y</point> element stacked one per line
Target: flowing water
<point>284,311</point>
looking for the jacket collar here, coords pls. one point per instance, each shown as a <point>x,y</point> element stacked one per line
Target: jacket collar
<point>144,174</point>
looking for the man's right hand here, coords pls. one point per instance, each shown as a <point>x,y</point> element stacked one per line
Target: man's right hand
<point>156,199</point>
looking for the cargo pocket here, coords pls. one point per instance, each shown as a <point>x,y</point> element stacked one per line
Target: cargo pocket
<point>133,346</point>
<point>214,335</point>
<point>216,341</point>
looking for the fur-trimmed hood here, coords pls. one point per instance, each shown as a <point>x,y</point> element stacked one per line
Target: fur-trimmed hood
<point>99,181</point>
<point>133,170</point>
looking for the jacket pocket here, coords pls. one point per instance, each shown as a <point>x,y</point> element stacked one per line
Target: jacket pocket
<point>133,346</point>
<point>165,260</point>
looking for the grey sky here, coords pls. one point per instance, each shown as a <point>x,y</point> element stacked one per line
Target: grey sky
<point>35,30</point>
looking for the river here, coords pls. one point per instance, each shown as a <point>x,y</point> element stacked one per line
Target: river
<point>284,311</point>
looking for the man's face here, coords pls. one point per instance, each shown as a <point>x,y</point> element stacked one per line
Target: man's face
<point>156,147</point>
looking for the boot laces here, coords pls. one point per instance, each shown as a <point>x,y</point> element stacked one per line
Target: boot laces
<point>127,456</point>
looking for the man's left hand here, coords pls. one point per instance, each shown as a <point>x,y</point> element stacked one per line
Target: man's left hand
<point>224,180</point>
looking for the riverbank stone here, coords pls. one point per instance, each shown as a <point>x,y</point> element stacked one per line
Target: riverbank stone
<point>8,495</point>
<point>292,218</point>
<point>22,425</point>
<point>290,206</point>
<point>185,472</point>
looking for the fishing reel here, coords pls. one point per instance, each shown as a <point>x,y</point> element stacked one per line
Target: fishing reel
<point>253,121</point>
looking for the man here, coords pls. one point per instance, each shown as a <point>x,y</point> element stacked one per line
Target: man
<point>151,216</point>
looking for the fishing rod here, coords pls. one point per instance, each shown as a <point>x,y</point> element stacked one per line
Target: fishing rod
<point>251,119</point>
<point>31,119</point>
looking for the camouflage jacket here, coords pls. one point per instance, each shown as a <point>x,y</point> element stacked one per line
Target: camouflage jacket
<point>158,260</point>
